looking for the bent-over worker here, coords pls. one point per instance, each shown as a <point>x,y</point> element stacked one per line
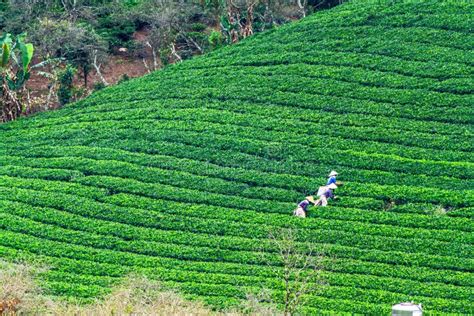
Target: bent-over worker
<point>302,208</point>
<point>325,193</point>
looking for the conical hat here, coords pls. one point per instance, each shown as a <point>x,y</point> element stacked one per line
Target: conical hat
<point>333,173</point>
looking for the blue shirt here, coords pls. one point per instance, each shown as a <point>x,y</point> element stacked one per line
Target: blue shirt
<point>331,180</point>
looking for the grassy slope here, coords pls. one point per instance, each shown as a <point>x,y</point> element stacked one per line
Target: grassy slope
<point>137,177</point>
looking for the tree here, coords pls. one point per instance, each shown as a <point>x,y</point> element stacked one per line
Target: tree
<point>175,31</point>
<point>243,17</point>
<point>66,77</point>
<point>78,44</point>
<point>215,39</point>
<point>75,9</point>
<point>299,268</point>
<point>19,14</point>
<point>160,18</point>
<point>15,59</point>
<point>50,70</point>
<point>215,8</point>
<point>246,24</point>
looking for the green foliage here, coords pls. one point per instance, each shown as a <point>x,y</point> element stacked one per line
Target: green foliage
<point>108,25</point>
<point>15,59</point>
<point>116,30</point>
<point>215,39</point>
<point>77,43</point>
<point>198,27</point>
<point>98,86</point>
<point>180,175</point>
<point>65,78</point>
<point>26,50</point>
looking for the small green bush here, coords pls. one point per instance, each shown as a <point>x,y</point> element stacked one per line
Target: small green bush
<point>198,27</point>
<point>98,86</point>
<point>215,39</point>
<point>65,91</point>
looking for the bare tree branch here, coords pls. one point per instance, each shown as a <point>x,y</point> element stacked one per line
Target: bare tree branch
<point>187,38</point>
<point>146,65</point>
<point>97,68</point>
<point>302,7</point>
<point>174,53</point>
<point>299,268</point>
<point>153,53</point>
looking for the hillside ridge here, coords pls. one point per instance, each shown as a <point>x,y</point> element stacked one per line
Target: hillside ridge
<point>181,174</point>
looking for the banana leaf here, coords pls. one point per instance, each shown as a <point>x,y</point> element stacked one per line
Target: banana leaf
<point>6,49</point>
<point>6,38</point>
<point>26,55</point>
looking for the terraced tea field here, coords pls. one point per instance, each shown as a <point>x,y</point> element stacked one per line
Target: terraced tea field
<point>181,174</point>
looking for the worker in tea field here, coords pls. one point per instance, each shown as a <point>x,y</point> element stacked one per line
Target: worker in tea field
<point>332,177</point>
<point>302,207</point>
<point>324,193</point>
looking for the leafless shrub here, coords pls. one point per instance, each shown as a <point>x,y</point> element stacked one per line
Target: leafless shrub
<point>299,270</point>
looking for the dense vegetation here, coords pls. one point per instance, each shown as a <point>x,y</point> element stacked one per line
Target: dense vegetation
<point>103,42</point>
<point>181,174</point>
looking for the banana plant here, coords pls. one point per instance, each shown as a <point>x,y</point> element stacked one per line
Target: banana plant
<point>15,59</point>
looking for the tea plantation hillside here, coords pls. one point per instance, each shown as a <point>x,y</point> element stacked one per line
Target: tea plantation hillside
<point>181,174</point>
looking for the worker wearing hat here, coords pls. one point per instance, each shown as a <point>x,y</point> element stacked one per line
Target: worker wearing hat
<point>325,193</point>
<point>332,177</point>
<point>302,207</point>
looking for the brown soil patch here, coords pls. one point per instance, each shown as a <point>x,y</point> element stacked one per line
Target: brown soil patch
<point>120,64</point>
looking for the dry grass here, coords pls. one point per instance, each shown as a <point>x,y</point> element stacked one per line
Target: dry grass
<point>137,295</point>
<point>18,291</point>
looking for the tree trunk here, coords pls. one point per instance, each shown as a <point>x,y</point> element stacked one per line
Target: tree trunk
<point>97,69</point>
<point>234,19</point>
<point>10,105</point>
<point>248,28</point>
<point>154,55</point>
<point>302,7</point>
<point>146,65</point>
<point>286,277</point>
<point>174,53</point>
<point>50,94</point>
<point>86,75</point>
